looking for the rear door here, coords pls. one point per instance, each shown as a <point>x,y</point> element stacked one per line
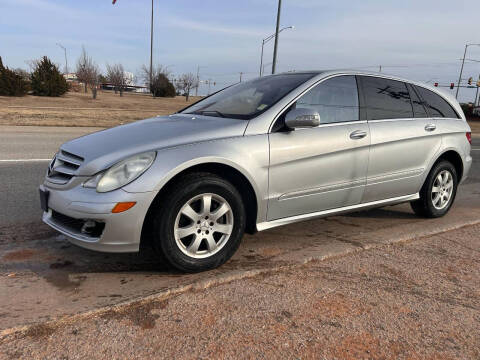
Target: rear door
<point>403,138</point>
<point>448,122</point>
<point>320,168</point>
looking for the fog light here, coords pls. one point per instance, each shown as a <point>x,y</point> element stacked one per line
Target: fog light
<point>123,206</point>
<point>89,227</point>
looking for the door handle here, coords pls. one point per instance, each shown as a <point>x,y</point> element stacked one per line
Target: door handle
<point>359,134</point>
<point>430,127</point>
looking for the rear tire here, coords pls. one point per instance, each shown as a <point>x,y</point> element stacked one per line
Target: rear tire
<point>199,224</point>
<point>438,192</point>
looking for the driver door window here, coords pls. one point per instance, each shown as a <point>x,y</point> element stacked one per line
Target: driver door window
<point>335,99</point>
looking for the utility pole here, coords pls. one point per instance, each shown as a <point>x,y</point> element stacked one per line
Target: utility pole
<point>476,95</point>
<point>241,73</point>
<point>209,83</point>
<point>276,37</point>
<point>151,51</point>
<point>151,48</point>
<point>461,69</point>
<point>198,80</point>
<point>66,62</point>
<point>380,68</point>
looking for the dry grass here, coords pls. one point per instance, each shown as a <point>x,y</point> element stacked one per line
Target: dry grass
<point>79,109</point>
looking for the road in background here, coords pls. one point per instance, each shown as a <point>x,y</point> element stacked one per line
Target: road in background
<point>24,155</point>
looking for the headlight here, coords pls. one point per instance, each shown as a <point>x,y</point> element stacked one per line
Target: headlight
<point>122,173</point>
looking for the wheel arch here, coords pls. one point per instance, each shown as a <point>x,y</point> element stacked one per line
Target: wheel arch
<point>232,174</point>
<point>454,157</point>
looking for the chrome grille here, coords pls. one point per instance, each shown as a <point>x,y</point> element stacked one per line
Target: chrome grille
<point>63,167</point>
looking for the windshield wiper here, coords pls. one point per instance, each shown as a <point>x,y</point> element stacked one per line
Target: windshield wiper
<point>208,112</point>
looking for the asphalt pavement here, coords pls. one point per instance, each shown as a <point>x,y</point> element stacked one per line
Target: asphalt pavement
<point>49,278</point>
<point>25,152</point>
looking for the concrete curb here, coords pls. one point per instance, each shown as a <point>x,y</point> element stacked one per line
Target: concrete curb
<point>298,261</point>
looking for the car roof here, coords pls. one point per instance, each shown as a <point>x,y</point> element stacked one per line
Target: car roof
<point>330,72</point>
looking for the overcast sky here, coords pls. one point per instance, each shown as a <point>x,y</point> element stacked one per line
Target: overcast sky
<point>421,40</point>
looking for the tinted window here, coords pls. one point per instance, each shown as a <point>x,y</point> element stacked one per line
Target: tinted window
<point>248,99</point>
<point>386,99</point>
<point>335,99</point>
<point>418,109</point>
<point>436,105</point>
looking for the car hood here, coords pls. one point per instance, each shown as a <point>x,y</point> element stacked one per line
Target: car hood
<point>104,148</point>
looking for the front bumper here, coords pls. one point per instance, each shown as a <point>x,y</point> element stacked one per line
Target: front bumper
<point>121,232</point>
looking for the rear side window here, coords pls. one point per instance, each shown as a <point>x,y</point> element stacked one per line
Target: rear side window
<point>335,99</point>
<point>417,104</point>
<point>435,104</point>
<point>386,99</point>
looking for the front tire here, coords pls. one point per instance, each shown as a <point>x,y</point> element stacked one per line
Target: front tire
<point>438,192</point>
<point>200,223</point>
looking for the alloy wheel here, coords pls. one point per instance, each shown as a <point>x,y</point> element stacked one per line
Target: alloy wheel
<point>203,225</point>
<point>442,190</point>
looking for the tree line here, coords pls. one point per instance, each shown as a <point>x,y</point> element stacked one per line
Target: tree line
<point>45,79</point>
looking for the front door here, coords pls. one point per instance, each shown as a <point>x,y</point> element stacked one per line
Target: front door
<point>320,168</point>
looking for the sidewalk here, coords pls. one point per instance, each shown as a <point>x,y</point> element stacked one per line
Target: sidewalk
<point>415,300</point>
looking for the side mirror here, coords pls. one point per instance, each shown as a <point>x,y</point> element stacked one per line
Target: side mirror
<point>302,118</point>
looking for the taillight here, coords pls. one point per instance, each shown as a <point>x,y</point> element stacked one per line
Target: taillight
<point>469,137</point>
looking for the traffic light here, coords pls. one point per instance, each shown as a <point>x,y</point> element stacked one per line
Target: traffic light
<point>470,79</point>
<point>452,85</point>
<point>436,84</point>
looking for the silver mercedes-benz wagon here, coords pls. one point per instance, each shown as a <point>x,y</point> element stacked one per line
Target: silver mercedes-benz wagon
<point>259,154</point>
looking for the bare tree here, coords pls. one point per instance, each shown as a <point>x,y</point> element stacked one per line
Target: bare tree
<point>116,76</point>
<point>87,71</point>
<point>93,79</point>
<point>24,74</point>
<point>187,82</point>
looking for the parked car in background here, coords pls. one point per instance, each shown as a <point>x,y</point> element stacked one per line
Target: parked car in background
<point>260,154</point>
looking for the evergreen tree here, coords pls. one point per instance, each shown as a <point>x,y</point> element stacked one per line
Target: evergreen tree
<point>162,87</point>
<point>47,79</point>
<point>11,84</point>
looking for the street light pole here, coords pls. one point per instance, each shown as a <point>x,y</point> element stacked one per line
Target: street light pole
<point>267,39</point>
<point>461,69</point>
<point>151,51</point>
<point>66,62</point>
<point>275,49</point>
<point>261,58</point>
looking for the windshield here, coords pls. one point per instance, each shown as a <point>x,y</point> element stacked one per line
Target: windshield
<point>248,99</point>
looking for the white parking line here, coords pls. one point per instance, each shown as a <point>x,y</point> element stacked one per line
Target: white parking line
<point>475,149</point>
<point>24,160</point>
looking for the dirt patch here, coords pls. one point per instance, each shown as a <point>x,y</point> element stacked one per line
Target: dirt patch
<point>139,314</point>
<point>61,264</point>
<point>40,331</point>
<point>20,255</point>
